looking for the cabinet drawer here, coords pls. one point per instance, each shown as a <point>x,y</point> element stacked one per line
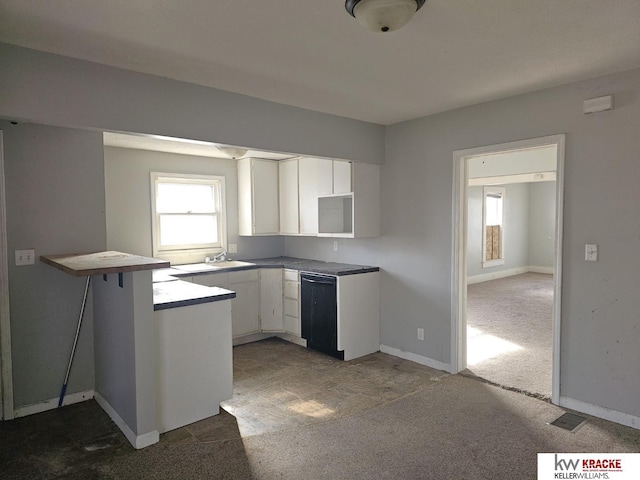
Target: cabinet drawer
<point>291,290</point>
<point>243,276</point>
<point>291,308</point>
<point>292,275</point>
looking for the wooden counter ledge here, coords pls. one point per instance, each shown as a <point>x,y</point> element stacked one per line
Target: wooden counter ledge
<point>101,263</point>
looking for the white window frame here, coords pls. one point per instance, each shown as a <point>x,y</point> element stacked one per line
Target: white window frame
<point>495,191</point>
<point>188,253</point>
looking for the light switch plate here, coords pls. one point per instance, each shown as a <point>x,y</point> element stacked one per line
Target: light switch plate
<point>233,248</point>
<point>25,257</point>
<point>591,252</point>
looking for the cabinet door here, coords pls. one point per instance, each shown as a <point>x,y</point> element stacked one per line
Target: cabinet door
<point>289,213</point>
<point>324,170</point>
<point>244,309</point>
<point>308,195</point>
<point>245,197</point>
<point>271,318</point>
<point>265,197</point>
<point>341,177</point>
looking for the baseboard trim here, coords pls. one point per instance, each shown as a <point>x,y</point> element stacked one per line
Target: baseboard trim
<point>428,362</point>
<point>547,270</point>
<point>292,338</point>
<point>52,403</point>
<point>137,441</point>
<point>251,337</point>
<point>601,412</point>
<point>485,277</point>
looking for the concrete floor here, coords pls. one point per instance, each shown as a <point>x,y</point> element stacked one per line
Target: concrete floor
<point>298,414</point>
<point>277,386</point>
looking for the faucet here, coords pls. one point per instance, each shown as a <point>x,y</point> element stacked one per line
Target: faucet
<point>221,257</point>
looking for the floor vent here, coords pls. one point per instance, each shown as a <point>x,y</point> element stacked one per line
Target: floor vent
<point>569,421</point>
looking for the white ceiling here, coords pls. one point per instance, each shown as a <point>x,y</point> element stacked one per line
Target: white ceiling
<point>312,54</point>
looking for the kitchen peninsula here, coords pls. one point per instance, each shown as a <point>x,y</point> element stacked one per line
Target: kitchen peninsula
<point>135,381</point>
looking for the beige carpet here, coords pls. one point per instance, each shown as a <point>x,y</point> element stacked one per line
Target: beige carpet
<point>509,338</point>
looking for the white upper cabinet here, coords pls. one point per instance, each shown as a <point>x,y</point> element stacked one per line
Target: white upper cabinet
<point>308,195</point>
<point>354,209</point>
<point>258,197</point>
<point>289,210</point>
<point>341,177</point>
<point>333,176</point>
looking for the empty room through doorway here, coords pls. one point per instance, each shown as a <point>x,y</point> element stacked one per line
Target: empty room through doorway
<point>511,219</point>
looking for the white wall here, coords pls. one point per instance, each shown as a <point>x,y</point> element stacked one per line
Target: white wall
<point>600,326</point>
<point>542,228</point>
<point>55,204</point>
<point>515,228</point>
<point>529,227</point>
<point>128,200</point>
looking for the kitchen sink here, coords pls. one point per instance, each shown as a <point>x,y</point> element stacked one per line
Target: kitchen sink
<point>212,267</point>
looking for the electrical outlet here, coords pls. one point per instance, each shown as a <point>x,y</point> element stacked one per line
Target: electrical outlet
<point>233,248</point>
<point>421,334</point>
<point>25,257</point>
<point>591,253</point>
<point>335,245</point>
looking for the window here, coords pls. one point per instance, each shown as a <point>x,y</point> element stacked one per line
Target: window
<point>493,238</point>
<point>188,215</point>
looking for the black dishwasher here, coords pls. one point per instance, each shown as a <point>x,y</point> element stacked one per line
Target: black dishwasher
<point>319,313</point>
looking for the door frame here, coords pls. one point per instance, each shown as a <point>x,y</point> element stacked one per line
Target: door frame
<point>459,260</point>
<point>6,376</point>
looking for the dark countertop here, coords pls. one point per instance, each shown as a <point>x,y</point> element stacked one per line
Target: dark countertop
<point>315,266</point>
<point>300,264</point>
<point>176,293</point>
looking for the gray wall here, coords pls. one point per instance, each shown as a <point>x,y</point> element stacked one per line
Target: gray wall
<point>55,204</point>
<point>515,227</point>
<point>542,226</point>
<point>600,326</point>
<point>128,200</point>
<point>51,89</point>
<point>529,217</point>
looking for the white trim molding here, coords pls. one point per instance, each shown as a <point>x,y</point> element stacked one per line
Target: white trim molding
<point>52,403</point>
<point>137,441</point>
<point>6,369</point>
<point>601,412</point>
<point>485,277</point>
<point>459,250</point>
<point>428,362</point>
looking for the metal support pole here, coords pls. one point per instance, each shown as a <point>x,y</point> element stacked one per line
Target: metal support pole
<point>75,342</point>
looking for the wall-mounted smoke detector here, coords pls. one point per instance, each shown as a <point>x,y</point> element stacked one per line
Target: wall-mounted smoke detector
<point>600,104</point>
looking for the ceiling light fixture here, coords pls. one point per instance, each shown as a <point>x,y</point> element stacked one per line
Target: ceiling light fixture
<point>232,152</point>
<point>383,15</point>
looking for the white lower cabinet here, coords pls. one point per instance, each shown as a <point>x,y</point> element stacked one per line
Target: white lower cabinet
<point>359,314</point>
<point>245,308</point>
<point>292,323</point>
<point>268,300</point>
<point>271,307</point>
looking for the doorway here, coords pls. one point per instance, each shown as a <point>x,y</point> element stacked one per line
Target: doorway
<point>6,380</point>
<point>464,171</point>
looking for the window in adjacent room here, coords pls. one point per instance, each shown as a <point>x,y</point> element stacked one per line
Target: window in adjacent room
<point>187,215</point>
<point>493,238</point>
